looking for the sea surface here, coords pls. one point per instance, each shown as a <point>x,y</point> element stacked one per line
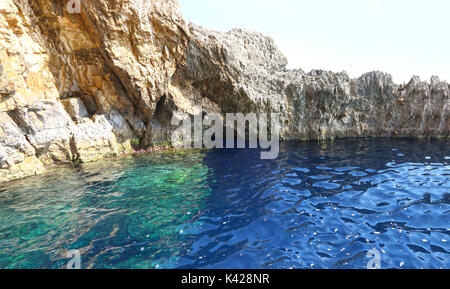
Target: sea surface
<point>319,205</point>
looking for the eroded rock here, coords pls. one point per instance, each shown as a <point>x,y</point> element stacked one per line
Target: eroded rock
<point>244,71</point>
<point>79,87</point>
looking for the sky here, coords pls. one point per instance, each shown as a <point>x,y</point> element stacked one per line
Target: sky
<point>401,37</point>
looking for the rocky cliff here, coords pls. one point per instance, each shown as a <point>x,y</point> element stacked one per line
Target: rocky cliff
<point>83,86</point>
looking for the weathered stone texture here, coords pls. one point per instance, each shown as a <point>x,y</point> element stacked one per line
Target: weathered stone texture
<point>79,87</point>
<point>244,71</point>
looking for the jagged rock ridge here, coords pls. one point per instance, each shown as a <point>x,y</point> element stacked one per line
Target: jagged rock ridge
<point>79,87</point>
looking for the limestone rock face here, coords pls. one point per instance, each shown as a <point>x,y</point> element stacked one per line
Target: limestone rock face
<point>81,86</point>
<point>76,87</point>
<point>244,71</point>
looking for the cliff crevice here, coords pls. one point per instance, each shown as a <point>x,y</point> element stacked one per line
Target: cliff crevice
<point>84,86</point>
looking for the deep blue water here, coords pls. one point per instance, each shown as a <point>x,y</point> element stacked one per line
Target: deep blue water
<point>319,205</point>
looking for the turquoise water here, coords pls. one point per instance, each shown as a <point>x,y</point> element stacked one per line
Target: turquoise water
<point>319,205</point>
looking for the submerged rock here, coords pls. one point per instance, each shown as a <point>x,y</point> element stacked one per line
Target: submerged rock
<point>79,87</point>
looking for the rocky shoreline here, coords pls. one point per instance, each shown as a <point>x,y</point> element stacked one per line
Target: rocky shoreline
<point>81,87</point>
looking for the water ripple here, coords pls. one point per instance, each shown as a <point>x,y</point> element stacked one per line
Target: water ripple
<point>316,206</point>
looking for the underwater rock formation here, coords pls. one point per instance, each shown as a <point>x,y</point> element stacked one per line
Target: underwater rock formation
<point>77,87</point>
<point>81,86</point>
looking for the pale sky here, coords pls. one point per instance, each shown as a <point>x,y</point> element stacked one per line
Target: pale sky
<point>401,37</point>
